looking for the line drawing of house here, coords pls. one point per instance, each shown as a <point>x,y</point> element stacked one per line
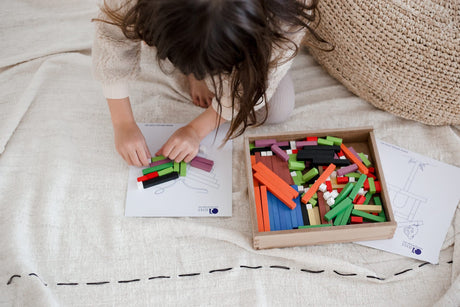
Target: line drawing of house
<point>405,203</point>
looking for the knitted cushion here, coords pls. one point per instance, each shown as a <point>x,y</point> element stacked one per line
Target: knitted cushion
<point>402,56</point>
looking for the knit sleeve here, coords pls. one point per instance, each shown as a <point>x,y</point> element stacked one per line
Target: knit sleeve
<point>115,57</point>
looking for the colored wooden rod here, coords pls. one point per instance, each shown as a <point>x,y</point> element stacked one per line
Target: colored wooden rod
<point>326,173</point>
<point>203,160</point>
<point>368,216</point>
<point>176,167</point>
<point>264,142</point>
<point>338,209</point>
<point>350,156</point>
<point>310,174</point>
<point>183,169</point>
<point>253,159</point>
<point>159,162</point>
<point>317,217</point>
<point>157,168</point>
<point>147,177</point>
<point>165,171</point>
<point>323,207</point>
<point>343,217</point>
<point>314,226</point>
<point>347,169</point>
<point>372,189</point>
<point>283,186</point>
<point>280,153</point>
<point>264,201</point>
<point>365,160</point>
<point>343,194</point>
<point>203,166</point>
<point>275,190</point>
<point>300,144</point>
<point>312,217</point>
<point>357,186</point>
<point>260,218</point>
<point>368,208</point>
<point>157,158</point>
<point>158,180</point>
<point>336,141</point>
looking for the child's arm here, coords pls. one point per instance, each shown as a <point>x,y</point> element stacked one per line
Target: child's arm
<point>129,141</point>
<point>185,142</point>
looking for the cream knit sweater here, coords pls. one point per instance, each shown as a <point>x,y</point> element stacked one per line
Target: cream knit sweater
<point>116,62</point>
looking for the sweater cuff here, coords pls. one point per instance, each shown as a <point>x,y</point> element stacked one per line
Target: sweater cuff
<point>115,90</point>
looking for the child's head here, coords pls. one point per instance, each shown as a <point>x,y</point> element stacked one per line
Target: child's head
<point>204,37</point>
<point>217,37</point>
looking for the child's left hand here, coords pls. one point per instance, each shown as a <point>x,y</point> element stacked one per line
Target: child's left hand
<point>200,93</point>
<point>182,145</point>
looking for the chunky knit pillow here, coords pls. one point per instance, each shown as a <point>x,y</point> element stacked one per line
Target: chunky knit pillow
<point>402,56</point>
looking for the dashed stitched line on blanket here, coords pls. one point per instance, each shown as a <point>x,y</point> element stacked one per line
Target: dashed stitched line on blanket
<point>250,267</point>
<point>97,283</point>
<point>345,274</point>
<point>220,270</point>
<point>375,277</point>
<point>279,267</point>
<point>128,281</point>
<point>311,271</point>
<point>402,272</point>
<point>159,277</point>
<point>10,280</point>
<point>188,275</point>
<point>33,274</point>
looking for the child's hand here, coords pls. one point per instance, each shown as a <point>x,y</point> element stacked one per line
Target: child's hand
<point>201,95</point>
<point>131,145</point>
<point>182,145</point>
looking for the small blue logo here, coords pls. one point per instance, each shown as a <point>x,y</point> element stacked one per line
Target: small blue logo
<point>213,211</point>
<point>416,251</point>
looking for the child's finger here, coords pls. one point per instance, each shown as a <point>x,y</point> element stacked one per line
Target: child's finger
<point>189,157</point>
<point>175,152</point>
<point>144,155</point>
<point>159,152</point>
<point>209,101</point>
<point>165,150</point>
<point>196,101</point>
<point>181,156</point>
<point>134,158</point>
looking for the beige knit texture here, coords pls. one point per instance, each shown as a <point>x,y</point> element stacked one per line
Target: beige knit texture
<point>402,56</point>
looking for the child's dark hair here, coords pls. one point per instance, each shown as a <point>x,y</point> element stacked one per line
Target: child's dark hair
<point>233,38</point>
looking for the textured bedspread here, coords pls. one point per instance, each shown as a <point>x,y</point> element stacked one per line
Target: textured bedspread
<point>64,240</point>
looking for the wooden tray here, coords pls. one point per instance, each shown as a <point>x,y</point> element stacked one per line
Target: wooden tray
<point>362,140</point>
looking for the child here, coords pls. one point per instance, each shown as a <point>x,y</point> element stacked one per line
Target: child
<point>235,54</point>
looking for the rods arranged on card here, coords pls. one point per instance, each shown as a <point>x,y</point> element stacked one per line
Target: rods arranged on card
<point>282,267</point>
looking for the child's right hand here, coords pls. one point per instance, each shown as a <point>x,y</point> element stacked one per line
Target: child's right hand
<point>131,145</point>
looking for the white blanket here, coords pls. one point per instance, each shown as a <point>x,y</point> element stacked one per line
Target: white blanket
<point>64,240</point>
